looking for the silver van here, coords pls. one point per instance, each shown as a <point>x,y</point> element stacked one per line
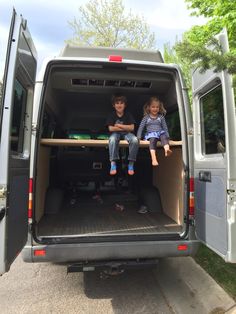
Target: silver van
<point>58,202</point>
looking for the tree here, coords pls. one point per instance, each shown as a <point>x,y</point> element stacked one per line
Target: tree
<point>221,13</point>
<point>105,23</point>
<point>193,49</point>
<point>171,56</point>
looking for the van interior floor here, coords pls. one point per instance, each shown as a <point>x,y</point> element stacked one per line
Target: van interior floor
<point>110,215</point>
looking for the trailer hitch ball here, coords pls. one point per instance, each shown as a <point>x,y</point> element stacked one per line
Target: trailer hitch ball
<point>111,271</point>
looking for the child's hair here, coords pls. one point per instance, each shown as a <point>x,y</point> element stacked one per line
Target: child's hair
<point>146,108</point>
<point>121,98</point>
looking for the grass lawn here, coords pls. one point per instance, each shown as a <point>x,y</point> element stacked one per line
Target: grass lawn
<point>223,273</point>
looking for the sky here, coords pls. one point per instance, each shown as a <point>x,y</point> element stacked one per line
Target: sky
<point>47,21</point>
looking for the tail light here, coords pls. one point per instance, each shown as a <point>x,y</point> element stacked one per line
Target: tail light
<point>39,253</point>
<point>114,58</point>
<point>191,197</point>
<point>30,205</point>
<point>182,247</point>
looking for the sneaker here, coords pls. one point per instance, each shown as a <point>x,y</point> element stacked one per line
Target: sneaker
<point>143,209</point>
<point>131,170</point>
<point>119,207</point>
<point>113,169</point>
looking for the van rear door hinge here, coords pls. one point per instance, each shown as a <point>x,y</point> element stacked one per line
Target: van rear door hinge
<point>34,129</point>
<point>191,221</point>
<point>2,213</point>
<point>3,191</point>
<point>190,131</point>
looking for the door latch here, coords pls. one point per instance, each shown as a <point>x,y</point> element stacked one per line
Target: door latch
<point>205,176</point>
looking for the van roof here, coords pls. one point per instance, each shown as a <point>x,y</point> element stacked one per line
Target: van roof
<point>104,52</point>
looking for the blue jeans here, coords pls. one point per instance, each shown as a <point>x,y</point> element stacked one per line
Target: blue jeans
<point>114,139</point>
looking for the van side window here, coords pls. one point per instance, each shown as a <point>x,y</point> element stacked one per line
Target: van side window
<point>18,118</point>
<point>212,122</point>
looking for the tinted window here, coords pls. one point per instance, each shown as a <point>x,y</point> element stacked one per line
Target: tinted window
<point>18,117</point>
<point>173,124</point>
<point>212,122</point>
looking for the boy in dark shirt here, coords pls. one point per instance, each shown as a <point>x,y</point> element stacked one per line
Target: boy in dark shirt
<point>121,125</point>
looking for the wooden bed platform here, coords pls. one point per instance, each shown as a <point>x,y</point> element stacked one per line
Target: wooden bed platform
<point>95,143</point>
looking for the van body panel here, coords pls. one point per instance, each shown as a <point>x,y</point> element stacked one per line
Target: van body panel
<point>114,250</point>
<point>18,85</point>
<point>96,63</point>
<point>131,54</point>
<point>214,159</point>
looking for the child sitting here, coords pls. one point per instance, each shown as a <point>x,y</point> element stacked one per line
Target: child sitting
<point>155,126</point>
<point>121,125</point>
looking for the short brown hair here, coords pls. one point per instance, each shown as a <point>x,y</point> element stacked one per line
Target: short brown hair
<point>121,98</point>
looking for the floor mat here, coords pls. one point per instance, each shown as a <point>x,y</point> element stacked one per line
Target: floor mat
<point>104,216</point>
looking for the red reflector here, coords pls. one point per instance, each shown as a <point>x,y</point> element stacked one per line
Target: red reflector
<point>29,212</point>
<point>39,253</point>
<point>115,58</point>
<point>191,211</point>
<point>31,185</point>
<point>191,197</point>
<point>191,184</point>
<point>182,247</point>
<point>30,206</point>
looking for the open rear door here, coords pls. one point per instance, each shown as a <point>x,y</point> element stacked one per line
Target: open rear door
<point>15,133</point>
<point>215,159</point>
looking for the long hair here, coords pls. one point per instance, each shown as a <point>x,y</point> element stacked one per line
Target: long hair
<point>146,107</point>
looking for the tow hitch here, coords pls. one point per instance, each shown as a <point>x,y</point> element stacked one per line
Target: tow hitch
<point>111,267</point>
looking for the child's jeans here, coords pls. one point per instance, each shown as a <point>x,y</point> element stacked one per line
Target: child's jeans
<point>114,139</point>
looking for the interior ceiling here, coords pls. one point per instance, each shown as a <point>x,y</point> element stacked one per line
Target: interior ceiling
<point>111,81</point>
<point>89,98</point>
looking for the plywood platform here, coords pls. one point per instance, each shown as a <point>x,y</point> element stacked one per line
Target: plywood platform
<point>95,143</point>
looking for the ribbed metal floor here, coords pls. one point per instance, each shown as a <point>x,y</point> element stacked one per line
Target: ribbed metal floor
<point>92,217</point>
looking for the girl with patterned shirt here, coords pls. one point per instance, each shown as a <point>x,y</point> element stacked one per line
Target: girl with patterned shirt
<point>155,128</point>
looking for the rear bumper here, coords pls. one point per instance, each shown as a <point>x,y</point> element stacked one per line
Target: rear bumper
<point>62,253</point>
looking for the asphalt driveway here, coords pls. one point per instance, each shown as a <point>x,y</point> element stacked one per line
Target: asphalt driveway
<point>177,285</point>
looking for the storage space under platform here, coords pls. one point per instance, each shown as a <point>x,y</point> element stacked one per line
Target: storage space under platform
<point>59,213</point>
<point>102,216</point>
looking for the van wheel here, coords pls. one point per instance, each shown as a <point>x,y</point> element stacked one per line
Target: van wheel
<point>150,197</point>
